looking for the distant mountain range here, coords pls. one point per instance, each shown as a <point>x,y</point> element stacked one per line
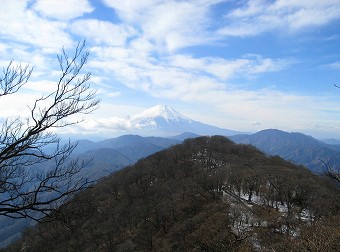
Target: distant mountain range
<point>113,154</point>
<point>331,141</point>
<point>296,147</point>
<point>162,120</point>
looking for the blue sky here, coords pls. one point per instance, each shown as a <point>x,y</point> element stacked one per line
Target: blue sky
<point>237,64</point>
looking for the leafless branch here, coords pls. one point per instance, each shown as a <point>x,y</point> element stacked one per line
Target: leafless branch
<point>13,78</point>
<point>331,171</point>
<point>32,177</point>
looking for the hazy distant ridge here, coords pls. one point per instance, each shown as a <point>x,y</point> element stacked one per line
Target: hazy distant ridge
<point>296,147</point>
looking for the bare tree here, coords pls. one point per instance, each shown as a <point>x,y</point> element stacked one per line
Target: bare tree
<point>34,179</point>
<point>334,174</point>
<point>331,171</point>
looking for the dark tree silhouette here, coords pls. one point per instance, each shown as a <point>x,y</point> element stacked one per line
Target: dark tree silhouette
<point>331,171</point>
<point>32,177</point>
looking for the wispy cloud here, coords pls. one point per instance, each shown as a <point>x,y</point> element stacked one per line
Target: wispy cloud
<point>335,65</point>
<point>168,24</point>
<point>63,10</point>
<point>18,23</point>
<point>226,69</point>
<point>259,16</point>
<point>181,76</point>
<point>103,32</point>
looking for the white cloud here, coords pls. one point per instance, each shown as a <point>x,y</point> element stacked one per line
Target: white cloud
<point>16,105</point>
<point>23,55</point>
<point>113,94</point>
<point>132,11</point>
<point>260,65</point>
<point>241,110</point>
<point>219,67</point>
<point>177,24</point>
<point>105,126</point>
<point>253,7</point>
<point>63,10</point>
<point>205,81</point>
<point>113,123</point>
<point>180,76</point>
<point>40,87</point>
<point>335,65</point>
<point>226,69</point>
<point>102,31</point>
<point>286,15</point>
<point>23,25</point>
<point>169,24</point>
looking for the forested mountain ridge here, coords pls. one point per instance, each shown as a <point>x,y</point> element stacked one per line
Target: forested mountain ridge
<point>207,194</point>
<point>112,154</point>
<point>103,158</point>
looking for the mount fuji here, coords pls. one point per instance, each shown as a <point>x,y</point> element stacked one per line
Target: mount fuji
<point>162,120</point>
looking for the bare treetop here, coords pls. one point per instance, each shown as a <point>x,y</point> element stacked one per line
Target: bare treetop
<point>24,189</point>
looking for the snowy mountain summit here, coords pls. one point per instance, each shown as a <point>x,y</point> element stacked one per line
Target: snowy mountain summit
<point>160,112</point>
<point>164,120</point>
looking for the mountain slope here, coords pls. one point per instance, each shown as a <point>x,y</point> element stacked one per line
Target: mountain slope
<point>112,154</point>
<point>104,161</point>
<point>207,194</point>
<point>106,157</point>
<point>297,147</point>
<point>132,140</point>
<point>165,121</point>
<point>184,136</point>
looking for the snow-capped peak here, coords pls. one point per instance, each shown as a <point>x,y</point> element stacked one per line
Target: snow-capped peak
<point>161,111</point>
<point>162,120</point>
